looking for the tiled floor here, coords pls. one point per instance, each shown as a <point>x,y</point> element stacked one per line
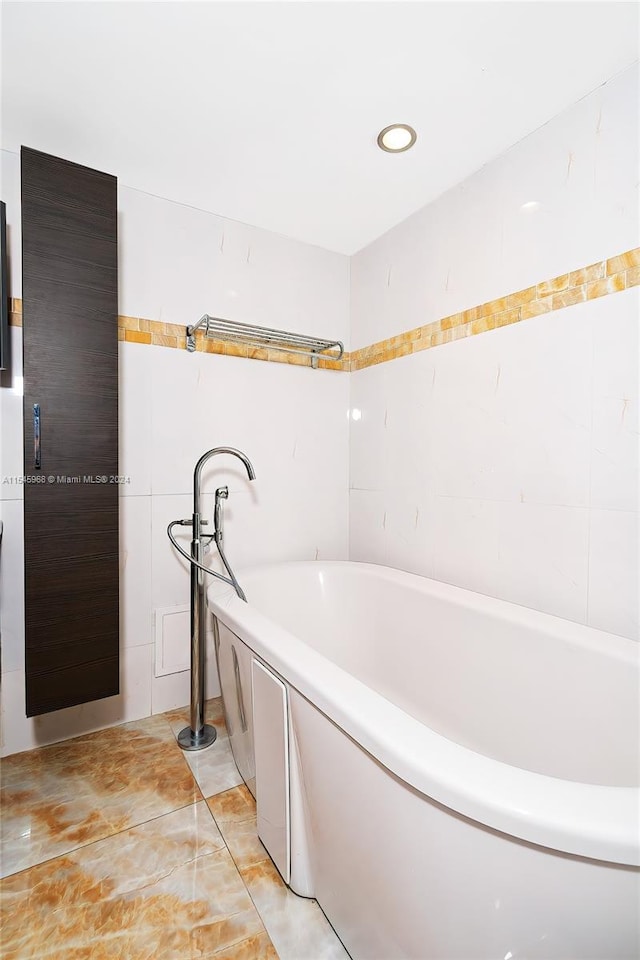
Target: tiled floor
<point>110,852</point>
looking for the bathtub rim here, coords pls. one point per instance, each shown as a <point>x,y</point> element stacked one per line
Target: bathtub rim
<point>586,820</point>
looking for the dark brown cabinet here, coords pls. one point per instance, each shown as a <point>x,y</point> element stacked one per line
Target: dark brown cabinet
<point>70,306</point>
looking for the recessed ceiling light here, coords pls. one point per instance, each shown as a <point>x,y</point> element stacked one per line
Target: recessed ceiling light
<point>530,205</point>
<point>397,138</point>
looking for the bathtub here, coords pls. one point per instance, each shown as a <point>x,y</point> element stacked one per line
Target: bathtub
<point>450,775</point>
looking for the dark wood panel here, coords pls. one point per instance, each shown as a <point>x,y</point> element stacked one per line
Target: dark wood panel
<point>75,301</point>
<point>70,329</point>
<point>77,379</point>
<point>83,196</point>
<point>101,676</point>
<point>64,536</point>
<point>54,256</point>
<point>84,452</point>
<point>69,238</point>
<point>58,658</point>
<point>76,631</point>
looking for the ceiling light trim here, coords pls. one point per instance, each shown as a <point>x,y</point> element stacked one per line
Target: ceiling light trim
<point>413,136</point>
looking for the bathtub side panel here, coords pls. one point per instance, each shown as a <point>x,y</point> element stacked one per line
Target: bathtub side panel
<point>271,745</point>
<point>234,660</point>
<point>402,877</point>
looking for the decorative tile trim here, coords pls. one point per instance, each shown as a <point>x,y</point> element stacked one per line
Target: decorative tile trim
<point>15,312</point>
<point>139,330</point>
<point>596,280</point>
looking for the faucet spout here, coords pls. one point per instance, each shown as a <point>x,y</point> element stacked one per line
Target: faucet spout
<point>195,545</point>
<point>207,456</point>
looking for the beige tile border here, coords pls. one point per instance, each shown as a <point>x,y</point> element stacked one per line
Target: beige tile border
<point>596,280</point>
<point>15,313</point>
<point>138,330</point>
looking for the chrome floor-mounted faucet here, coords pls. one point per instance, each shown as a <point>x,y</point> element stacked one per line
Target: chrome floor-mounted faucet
<point>200,735</point>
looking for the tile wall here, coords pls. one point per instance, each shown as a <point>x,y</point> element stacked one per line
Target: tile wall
<point>559,200</point>
<point>177,263</point>
<point>508,462</point>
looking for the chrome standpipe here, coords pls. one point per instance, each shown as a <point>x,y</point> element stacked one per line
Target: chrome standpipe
<point>199,734</point>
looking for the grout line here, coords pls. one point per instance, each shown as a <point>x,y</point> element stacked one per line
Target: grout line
<point>91,843</point>
<point>237,865</point>
<point>287,888</point>
<point>515,501</point>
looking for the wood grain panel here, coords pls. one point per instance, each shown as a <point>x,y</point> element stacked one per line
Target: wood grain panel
<point>70,297</point>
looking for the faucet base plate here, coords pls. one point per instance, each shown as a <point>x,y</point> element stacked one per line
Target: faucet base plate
<point>189,740</point>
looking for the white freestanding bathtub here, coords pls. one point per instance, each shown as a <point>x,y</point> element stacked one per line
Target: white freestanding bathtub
<point>450,775</point>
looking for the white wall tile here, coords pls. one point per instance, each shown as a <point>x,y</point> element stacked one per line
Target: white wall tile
<point>12,585</point>
<point>496,460</point>
<point>465,543</point>
<point>277,414</point>
<point>174,689</point>
<point>10,182</point>
<point>514,412</point>
<point>169,571</point>
<point>133,702</point>
<point>368,448</point>
<point>507,440</point>
<point>542,557</point>
<point>386,449</point>
<point>615,442</point>
<point>614,572</point>
<point>177,263</point>
<point>531,554</point>
<point>476,242</point>
<point>367,522</point>
<point>409,399</point>
<point>166,258</point>
<point>281,519</point>
<point>184,424</point>
<point>410,532</point>
<point>170,692</point>
<point>617,157</point>
<point>554,167</point>
<point>135,571</point>
<point>134,415</point>
<point>11,433</point>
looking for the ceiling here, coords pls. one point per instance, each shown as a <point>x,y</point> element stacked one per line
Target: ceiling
<point>268,112</point>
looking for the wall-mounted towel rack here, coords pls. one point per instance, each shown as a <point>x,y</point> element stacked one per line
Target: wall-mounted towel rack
<point>215,328</point>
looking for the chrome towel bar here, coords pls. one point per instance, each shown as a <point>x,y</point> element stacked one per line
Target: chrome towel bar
<point>215,328</point>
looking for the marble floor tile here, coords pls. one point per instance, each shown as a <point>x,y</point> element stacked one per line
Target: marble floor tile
<point>297,926</point>
<point>165,890</point>
<point>213,714</point>
<point>66,795</point>
<point>214,767</point>
<point>235,814</point>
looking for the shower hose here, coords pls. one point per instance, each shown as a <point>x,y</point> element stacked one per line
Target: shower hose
<point>231,580</point>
